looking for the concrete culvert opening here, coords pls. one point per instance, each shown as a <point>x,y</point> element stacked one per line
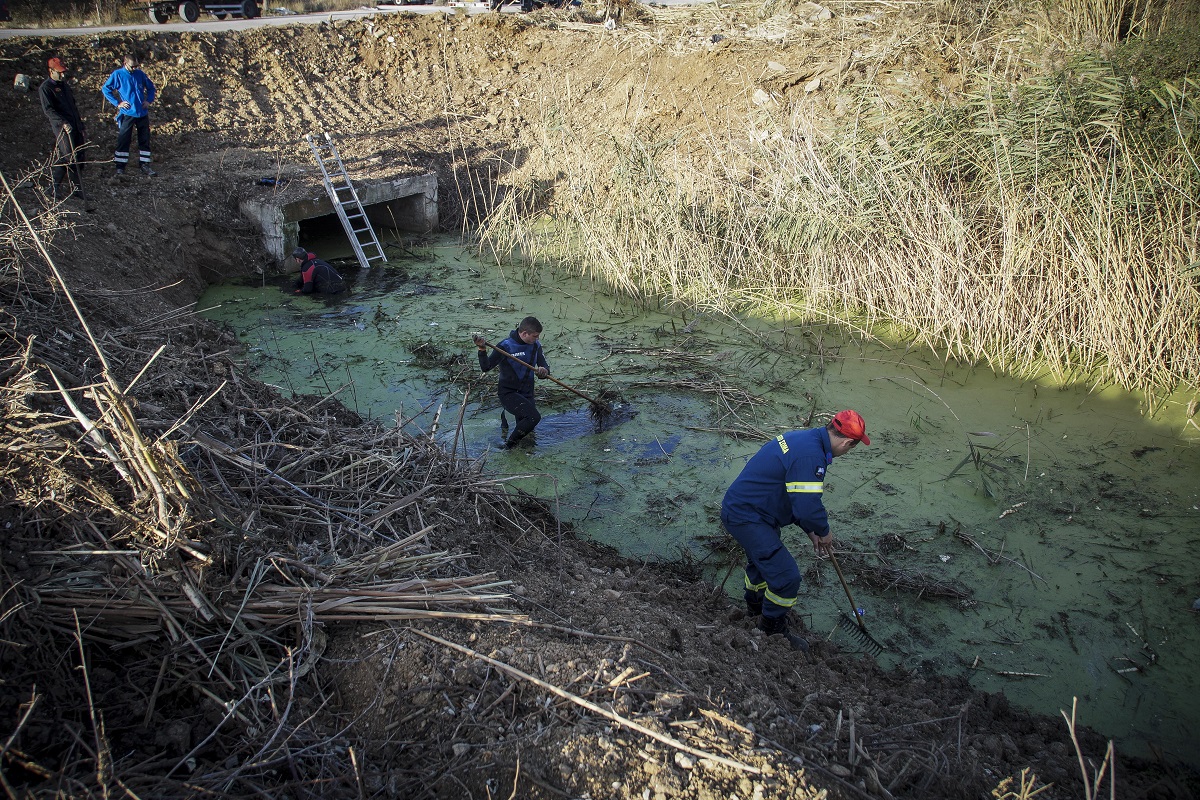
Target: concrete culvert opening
<point>408,204</point>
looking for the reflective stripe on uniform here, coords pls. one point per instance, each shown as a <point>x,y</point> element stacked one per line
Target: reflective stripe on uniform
<point>782,444</point>
<point>782,602</point>
<point>806,487</point>
<point>754,587</point>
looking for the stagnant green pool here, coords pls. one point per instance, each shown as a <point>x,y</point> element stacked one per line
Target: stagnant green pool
<point>1044,542</point>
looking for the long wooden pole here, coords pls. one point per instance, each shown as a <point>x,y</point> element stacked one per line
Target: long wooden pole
<point>598,404</point>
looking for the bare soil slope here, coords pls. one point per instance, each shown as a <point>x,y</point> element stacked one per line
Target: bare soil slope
<point>650,643</point>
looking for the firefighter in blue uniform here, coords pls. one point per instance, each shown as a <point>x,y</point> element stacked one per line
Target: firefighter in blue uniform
<point>781,485</point>
<point>516,380</point>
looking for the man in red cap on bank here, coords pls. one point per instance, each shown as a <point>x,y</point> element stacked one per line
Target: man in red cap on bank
<point>781,485</point>
<point>58,104</point>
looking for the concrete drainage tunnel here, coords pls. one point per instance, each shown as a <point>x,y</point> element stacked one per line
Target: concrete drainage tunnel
<point>408,204</point>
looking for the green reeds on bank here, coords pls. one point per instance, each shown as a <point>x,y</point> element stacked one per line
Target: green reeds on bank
<point>1048,224</point>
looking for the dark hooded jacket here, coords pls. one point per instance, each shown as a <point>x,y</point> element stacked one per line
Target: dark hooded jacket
<point>58,104</point>
<point>514,377</point>
<point>318,276</point>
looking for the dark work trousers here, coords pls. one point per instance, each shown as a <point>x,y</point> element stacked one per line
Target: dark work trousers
<point>770,568</point>
<point>68,149</point>
<point>125,126</point>
<point>522,407</point>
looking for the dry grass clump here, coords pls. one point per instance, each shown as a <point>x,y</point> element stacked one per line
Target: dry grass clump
<point>1045,224</point>
<point>177,542</point>
<point>1109,21</point>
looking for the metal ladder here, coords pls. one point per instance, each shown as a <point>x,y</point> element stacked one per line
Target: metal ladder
<point>345,201</point>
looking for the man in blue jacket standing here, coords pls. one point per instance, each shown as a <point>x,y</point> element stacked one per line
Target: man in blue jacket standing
<point>131,92</point>
<point>781,485</point>
<point>516,380</point>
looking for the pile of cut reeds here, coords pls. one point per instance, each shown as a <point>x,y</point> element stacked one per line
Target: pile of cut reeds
<point>179,540</point>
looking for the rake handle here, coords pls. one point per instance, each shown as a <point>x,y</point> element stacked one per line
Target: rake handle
<point>846,586</point>
<point>596,403</point>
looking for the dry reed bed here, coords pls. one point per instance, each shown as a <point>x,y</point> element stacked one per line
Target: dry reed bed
<point>205,535</point>
<point>1039,221</point>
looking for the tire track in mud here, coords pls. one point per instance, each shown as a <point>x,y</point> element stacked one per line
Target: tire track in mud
<point>302,102</point>
<point>285,83</point>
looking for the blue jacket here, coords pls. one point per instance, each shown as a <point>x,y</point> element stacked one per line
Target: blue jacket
<point>783,482</point>
<point>131,86</point>
<point>513,376</point>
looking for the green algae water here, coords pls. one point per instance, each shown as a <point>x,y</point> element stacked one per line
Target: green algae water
<point>1043,542</point>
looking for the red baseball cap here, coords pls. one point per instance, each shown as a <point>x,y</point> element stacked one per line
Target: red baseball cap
<point>56,64</point>
<point>851,425</point>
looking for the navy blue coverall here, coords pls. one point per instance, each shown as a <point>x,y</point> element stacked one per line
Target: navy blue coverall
<point>780,485</point>
<point>516,381</point>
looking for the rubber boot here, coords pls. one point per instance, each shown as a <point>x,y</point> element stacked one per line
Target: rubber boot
<point>754,603</point>
<point>778,626</point>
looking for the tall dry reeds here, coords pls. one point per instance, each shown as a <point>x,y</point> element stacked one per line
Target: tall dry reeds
<point>1108,21</point>
<point>1050,224</point>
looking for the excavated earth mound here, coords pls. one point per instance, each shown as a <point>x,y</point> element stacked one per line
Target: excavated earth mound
<point>687,699</point>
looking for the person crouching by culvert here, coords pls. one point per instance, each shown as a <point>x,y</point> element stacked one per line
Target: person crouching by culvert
<point>132,92</point>
<point>515,388</point>
<point>782,485</point>
<point>58,104</point>
<point>316,276</point>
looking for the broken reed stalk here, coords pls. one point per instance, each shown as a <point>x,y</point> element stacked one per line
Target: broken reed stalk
<point>1092,782</point>
<point>878,223</point>
<point>590,706</point>
<point>116,433</point>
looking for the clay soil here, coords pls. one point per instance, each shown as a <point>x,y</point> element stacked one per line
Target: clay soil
<point>650,643</point>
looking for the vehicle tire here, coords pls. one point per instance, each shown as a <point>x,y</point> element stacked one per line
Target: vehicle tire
<point>189,11</point>
<point>219,14</point>
<point>249,9</point>
<point>160,14</point>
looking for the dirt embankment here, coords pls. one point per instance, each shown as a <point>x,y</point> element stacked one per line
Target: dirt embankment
<point>396,714</point>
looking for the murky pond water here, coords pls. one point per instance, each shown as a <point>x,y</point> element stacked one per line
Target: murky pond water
<point>1045,542</point>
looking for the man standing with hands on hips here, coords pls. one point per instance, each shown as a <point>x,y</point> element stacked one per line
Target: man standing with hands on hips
<point>782,485</point>
<point>131,92</point>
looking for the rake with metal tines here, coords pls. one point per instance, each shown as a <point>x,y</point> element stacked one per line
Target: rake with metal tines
<point>858,631</point>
